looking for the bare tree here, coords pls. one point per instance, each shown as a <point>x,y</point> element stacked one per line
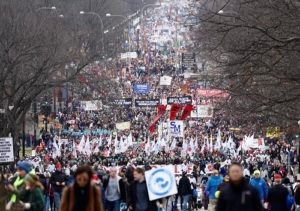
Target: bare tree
<point>36,44</point>
<point>254,47</point>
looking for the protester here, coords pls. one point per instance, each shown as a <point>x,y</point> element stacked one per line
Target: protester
<point>83,195</point>
<point>238,195</point>
<point>58,180</point>
<point>18,182</point>
<point>212,187</point>
<point>184,190</point>
<point>114,190</point>
<point>277,196</point>
<point>138,199</point>
<point>49,194</point>
<point>32,197</point>
<point>260,184</point>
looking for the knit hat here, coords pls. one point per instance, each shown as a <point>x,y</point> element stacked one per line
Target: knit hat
<point>24,166</point>
<point>256,172</point>
<point>277,177</point>
<point>58,165</point>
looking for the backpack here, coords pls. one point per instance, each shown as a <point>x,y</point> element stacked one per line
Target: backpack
<point>290,201</point>
<point>195,193</point>
<point>297,194</point>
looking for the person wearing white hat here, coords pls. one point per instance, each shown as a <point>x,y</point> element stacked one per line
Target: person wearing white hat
<point>260,184</point>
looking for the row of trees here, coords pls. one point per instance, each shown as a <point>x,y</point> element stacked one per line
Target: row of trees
<point>37,43</point>
<point>254,47</point>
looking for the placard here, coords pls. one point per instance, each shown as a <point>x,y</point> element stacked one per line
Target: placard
<point>161,182</point>
<point>165,80</point>
<point>204,111</point>
<point>146,103</point>
<point>123,126</point>
<point>179,100</point>
<point>6,150</point>
<point>123,102</point>
<point>176,128</point>
<point>141,88</point>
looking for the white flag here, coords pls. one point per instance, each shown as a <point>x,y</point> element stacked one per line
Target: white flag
<point>211,146</point>
<point>173,145</point>
<point>218,142</point>
<point>74,152</point>
<point>87,147</point>
<point>129,140</point>
<point>147,146</point>
<point>81,145</point>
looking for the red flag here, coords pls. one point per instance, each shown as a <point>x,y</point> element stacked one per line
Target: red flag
<point>175,108</point>
<point>186,112</point>
<point>161,110</point>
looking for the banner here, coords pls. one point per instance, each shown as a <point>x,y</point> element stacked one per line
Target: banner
<point>254,143</point>
<point>161,182</point>
<point>141,88</point>
<point>147,103</point>
<point>6,150</point>
<point>186,112</point>
<point>175,108</point>
<point>161,111</point>
<point>123,102</point>
<point>203,111</point>
<point>176,128</point>
<point>129,55</point>
<point>179,100</point>
<point>95,105</point>
<point>165,81</point>
<point>212,93</point>
<point>123,126</point>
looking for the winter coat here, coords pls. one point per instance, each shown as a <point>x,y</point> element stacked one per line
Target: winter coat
<point>261,186</point>
<point>69,199</point>
<point>60,177</point>
<point>34,197</point>
<point>184,187</point>
<point>132,197</point>
<point>242,197</point>
<point>277,198</point>
<point>212,186</point>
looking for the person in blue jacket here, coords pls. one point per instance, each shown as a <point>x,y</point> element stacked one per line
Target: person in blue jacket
<point>260,184</point>
<point>212,187</point>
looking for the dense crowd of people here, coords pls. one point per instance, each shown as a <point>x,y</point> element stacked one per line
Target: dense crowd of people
<point>89,164</point>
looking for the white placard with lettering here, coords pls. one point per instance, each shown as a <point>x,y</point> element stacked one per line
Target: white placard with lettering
<point>6,150</point>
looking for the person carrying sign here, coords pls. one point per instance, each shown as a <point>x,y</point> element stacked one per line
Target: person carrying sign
<point>138,198</point>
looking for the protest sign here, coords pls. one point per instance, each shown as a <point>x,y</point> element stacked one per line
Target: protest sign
<point>6,150</point>
<point>179,100</point>
<point>141,88</point>
<point>165,81</point>
<point>176,128</point>
<point>160,182</point>
<point>123,126</point>
<point>146,103</point>
<point>123,102</point>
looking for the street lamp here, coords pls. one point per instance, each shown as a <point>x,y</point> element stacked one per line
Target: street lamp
<point>53,8</point>
<point>46,8</point>
<point>102,26</point>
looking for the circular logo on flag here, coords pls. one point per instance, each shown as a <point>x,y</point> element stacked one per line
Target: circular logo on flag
<point>160,182</point>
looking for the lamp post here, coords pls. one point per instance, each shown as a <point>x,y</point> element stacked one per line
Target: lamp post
<point>125,19</point>
<point>46,8</point>
<point>53,8</point>
<point>298,147</point>
<point>102,26</point>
